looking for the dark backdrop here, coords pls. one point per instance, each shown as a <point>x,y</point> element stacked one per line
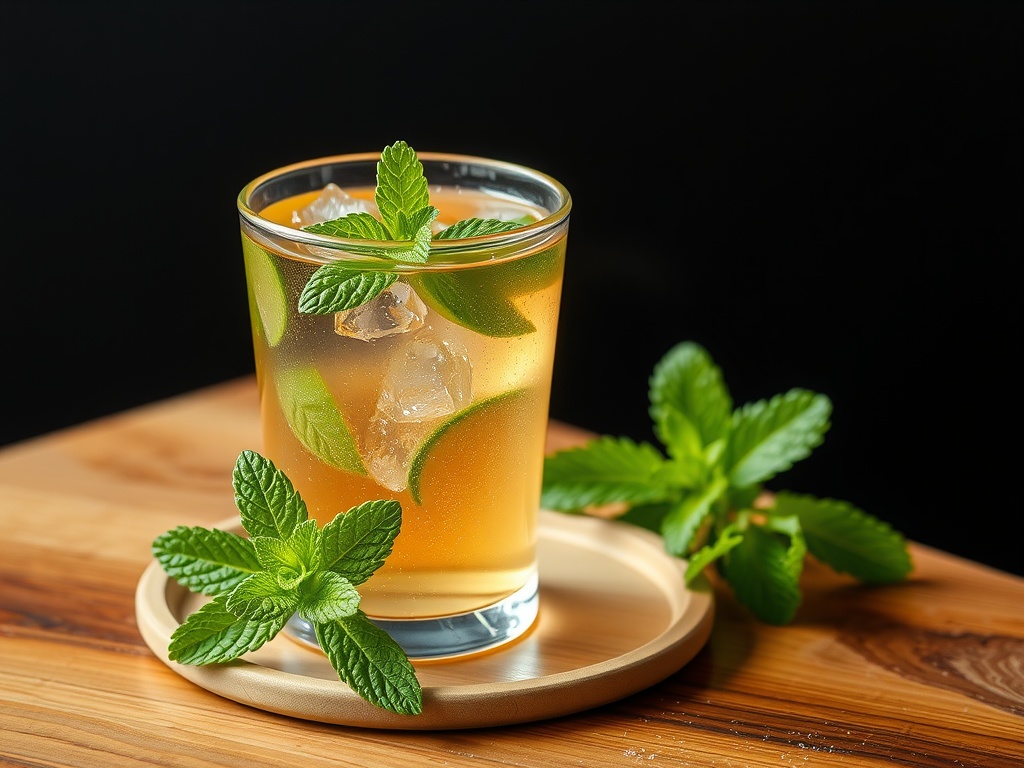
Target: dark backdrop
<point>824,194</point>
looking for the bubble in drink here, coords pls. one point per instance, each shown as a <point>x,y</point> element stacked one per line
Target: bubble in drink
<point>395,310</point>
<point>427,379</point>
<point>333,203</point>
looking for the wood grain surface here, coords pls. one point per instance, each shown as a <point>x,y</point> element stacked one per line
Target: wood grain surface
<point>926,673</point>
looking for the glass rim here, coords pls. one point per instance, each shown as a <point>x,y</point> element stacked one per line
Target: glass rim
<point>466,246</point>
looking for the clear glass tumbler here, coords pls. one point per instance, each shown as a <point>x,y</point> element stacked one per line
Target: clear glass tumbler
<point>434,392</point>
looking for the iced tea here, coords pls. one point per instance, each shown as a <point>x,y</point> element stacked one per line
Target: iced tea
<point>434,393</point>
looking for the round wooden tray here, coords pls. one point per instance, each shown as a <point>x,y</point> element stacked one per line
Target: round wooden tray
<point>615,618</point>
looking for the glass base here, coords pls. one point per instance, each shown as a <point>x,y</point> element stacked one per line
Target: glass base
<point>450,636</point>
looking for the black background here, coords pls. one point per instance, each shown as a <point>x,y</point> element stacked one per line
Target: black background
<point>824,194</point>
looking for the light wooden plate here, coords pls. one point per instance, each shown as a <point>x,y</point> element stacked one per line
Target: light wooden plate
<point>615,618</point>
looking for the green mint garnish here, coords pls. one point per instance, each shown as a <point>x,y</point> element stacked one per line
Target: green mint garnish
<point>478,302</point>
<point>705,496</point>
<point>289,565</point>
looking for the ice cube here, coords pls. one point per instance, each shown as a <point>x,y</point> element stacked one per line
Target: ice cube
<point>333,203</point>
<point>389,449</point>
<point>507,212</point>
<point>428,378</point>
<point>395,310</point>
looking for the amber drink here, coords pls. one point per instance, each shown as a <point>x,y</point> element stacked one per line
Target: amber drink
<point>434,392</point>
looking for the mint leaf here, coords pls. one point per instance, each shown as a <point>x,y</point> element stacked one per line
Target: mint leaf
<point>356,543</point>
<point>353,226</point>
<point>689,402</point>
<point>603,471</point>
<point>847,538</point>
<point>289,566</point>
<point>683,472</point>
<point>768,437</point>
<point>707,501</point>
<point>209,562</point>
<point>476,228</point>
<point>213,634</point>
<point>401,189</point>
<point>371,662</point>
<point>681,523</point>
<point>306,543</point>
<point>263,598</point>
<point>275,553</point>
<point>328,597</point>
<point>335,288</point>
<point>300,552</point>
<point>681,435</point>
<point>764,573</point>
<point>419,249</point>
<point>268,503</point>
<point>419,222</point>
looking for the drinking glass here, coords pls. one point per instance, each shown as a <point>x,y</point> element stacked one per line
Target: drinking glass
<point>434,393</point>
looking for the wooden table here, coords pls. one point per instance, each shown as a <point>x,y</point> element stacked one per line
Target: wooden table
<point>927,673</point>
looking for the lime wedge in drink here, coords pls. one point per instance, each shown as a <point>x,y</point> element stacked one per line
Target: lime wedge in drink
<point>474,302</point>
<point>267,289</point>
<point>480,299</point>
<point>315,419</point>
<point>485,408</point>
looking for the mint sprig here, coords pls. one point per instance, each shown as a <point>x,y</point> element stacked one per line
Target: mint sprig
<point>403,234</point>
<point>289,565</point>
<point>705,494</point>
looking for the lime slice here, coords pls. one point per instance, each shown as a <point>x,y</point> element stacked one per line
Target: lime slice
<point>483,407</point>
<point>474,302</point>
<point>480,299</point>
<point>315,419</point>
<point>268,290</point>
